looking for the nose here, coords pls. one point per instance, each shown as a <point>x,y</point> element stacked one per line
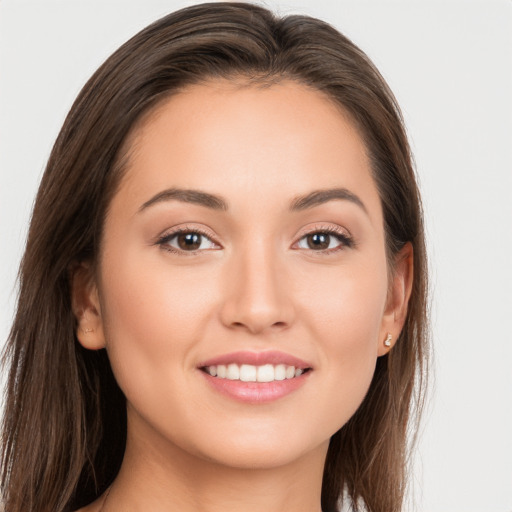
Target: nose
<point>258,296</point>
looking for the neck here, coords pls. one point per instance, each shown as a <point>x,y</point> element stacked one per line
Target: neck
<point>160,476</point>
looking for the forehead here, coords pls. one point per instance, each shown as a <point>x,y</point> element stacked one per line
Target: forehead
<point>227,138</point>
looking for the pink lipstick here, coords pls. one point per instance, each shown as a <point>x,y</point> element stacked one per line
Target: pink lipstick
<point>256,377</point>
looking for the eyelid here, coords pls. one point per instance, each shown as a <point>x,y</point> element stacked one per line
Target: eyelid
<point>343,234</point>
<point>324,227</point>
<point>332,229</point>
<point>187,228</point>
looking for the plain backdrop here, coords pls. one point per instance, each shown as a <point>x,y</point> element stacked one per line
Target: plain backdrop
<point>450,66</point>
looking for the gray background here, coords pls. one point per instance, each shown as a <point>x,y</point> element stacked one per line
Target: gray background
<point>450,66</point>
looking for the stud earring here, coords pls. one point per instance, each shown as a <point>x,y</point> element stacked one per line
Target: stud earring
<point>86,331</point>
<point>387,341</point>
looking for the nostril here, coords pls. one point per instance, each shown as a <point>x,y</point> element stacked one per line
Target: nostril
<point>256,327</point>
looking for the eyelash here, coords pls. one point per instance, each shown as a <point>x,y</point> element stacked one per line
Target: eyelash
<point>346,241</point>
<point>164,240</point>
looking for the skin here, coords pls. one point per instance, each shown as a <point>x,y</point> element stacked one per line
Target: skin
<point>255,284</point>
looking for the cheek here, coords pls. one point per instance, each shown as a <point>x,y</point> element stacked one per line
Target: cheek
<point>346,305</point>
<point>153,315</point>
<point>345,315</point>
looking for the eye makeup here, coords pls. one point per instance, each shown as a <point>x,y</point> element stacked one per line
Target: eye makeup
<point>187,241</point>
<point>325,239</point>
<point>190,240</point>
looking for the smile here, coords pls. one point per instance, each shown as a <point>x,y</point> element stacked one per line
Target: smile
<point>256,377</point>
<point>252,373</point>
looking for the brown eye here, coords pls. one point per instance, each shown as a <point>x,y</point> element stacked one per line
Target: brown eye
<point>318,241</point>
<point>324,241</point>
<point>189,241</point>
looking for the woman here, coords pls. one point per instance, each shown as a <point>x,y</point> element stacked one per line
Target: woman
<point>222,298</point>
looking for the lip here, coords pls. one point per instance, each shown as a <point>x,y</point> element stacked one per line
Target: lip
<point>256,392</point>
<point>257,359</point>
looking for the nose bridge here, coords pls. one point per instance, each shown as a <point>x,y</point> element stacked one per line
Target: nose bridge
<point>258,298</point>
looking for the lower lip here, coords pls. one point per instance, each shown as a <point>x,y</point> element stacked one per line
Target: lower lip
<point>256,392</point>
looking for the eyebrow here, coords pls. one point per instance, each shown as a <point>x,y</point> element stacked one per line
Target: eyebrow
<point>187,196</point>
<point>214,202</point>
<point>319,197</point>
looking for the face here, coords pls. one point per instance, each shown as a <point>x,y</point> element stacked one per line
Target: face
<point>242,292</point>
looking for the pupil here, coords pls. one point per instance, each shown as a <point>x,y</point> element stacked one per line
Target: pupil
<point>189,241</point>
<point>318,241</point>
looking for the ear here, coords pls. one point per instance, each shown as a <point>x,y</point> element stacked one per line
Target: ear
<point>398,298</point>
<point>86,307</point>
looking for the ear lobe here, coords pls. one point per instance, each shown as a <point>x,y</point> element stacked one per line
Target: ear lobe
<point>86,307</point>
<point>399,294</point>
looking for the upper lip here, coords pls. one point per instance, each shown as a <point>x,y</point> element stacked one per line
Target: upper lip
<point>257,359</point>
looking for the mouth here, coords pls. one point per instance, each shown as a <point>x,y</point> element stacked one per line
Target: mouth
<point>256,377</point>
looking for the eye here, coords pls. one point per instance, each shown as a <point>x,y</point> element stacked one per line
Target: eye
<point>325,240</point>
<point>187,241</point>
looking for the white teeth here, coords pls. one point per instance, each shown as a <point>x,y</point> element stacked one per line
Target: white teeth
<point>280,372</point>
<point>251,373</point>
<point>265,373</point>
<point>248,373</point>
<point>233,372</point>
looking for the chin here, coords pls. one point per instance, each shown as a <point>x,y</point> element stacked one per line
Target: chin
<point>265,446</point>
<point>263,455</point>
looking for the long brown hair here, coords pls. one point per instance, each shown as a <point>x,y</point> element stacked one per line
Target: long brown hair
<point>64,425</point>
